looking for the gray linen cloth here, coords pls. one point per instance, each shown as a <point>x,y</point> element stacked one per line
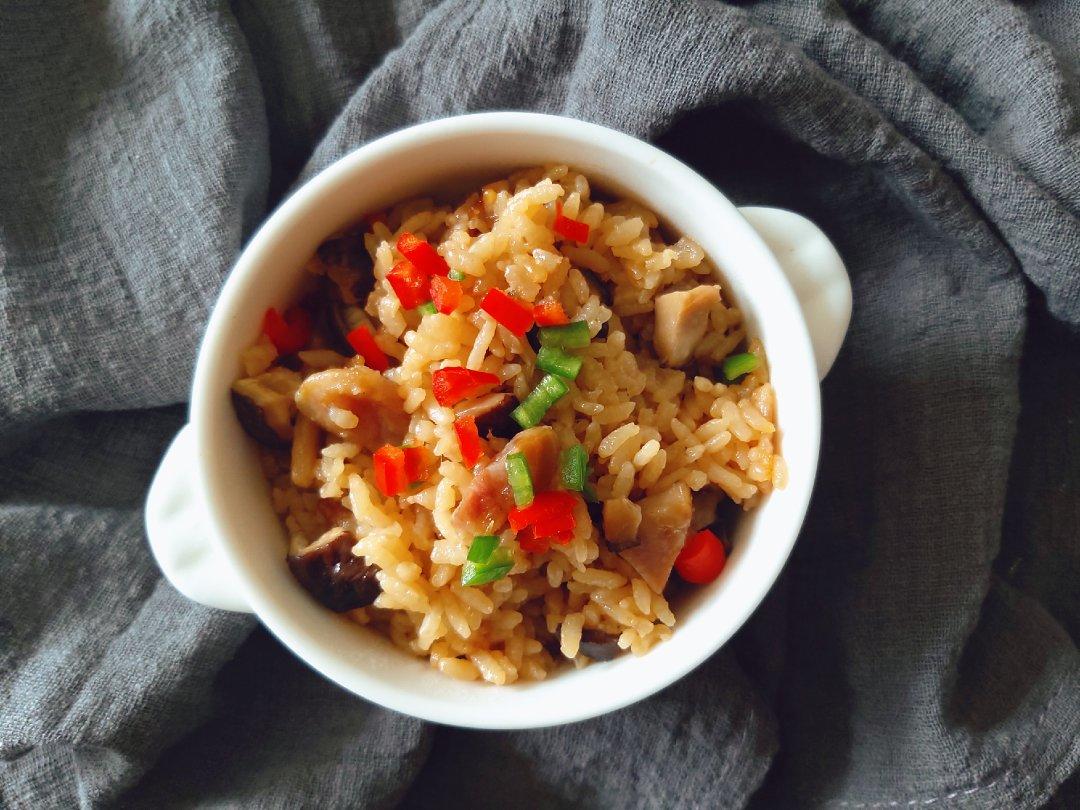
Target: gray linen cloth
<point>920,649</point>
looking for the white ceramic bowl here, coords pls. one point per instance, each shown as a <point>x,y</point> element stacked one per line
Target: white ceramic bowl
<point>208,515</point>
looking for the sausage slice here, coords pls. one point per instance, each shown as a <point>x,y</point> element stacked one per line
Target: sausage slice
<point>665,519</point>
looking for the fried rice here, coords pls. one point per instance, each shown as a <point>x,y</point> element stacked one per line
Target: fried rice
<point>649,426</point>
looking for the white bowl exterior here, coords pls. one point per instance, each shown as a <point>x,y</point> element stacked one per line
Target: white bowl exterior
<point>415,162</point>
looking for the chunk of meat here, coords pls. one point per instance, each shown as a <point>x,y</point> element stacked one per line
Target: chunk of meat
<point>264,406</point>
<point>356,403</point>
<point>665,519</point>
<point>488,499</point>
<point>335,576</point>
<point>622,517</point>
<point>706,503</point>
<point>492,415</point>
<point>681,319</point>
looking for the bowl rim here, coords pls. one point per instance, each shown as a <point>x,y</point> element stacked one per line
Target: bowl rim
<point>287,628</point>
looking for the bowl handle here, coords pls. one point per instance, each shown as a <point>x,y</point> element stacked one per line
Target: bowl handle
<point>816,272</point>
<point>176,525</point>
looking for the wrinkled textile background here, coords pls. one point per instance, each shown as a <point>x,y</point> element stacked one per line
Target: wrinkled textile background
<point>920,648</point>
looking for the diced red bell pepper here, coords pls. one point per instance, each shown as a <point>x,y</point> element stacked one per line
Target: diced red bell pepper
<point>468,440</point>
<point>290,333</point>
<point>549,513</point>
<point>410,284</point>
<point>702,558</point>
<point>568,228</point>
<point>550,312</point>
<point>445,294</point>
<point>533,543</point>
<point>390,476</point>
<point>554,525</point>
<point>451,385</point>
<point>515,315</point>
<point>419,463</point>
<point>364,343</point>
<point>529,542</point>
<point>562,538</point>
<point>421,253</point>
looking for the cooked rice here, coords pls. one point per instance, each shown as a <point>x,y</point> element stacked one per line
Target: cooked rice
<point>646,427</point>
